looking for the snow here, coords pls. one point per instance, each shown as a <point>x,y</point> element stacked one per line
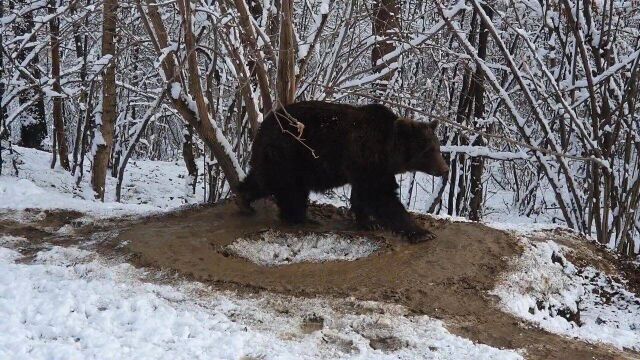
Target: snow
<point>548,290</point>
<point>149,186</point>
<point>485,152</point>
<point>71,304</point>
<point>99,65</point>
<point>68,302</point>
<point>50,310</point>
<point>273,248</point>
<point>324,7</point>
<point>176,89</point>
<point>24,194</point>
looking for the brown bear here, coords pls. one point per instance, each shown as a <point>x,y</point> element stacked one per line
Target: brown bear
<point>315,146</point>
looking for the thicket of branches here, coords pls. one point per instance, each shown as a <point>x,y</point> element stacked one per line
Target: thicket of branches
<point>537,96</point>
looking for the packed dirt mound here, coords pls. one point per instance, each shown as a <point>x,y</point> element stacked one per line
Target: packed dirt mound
<point>447,278</point>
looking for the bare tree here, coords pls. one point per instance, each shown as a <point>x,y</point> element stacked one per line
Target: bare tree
<point>33,126</point>
<point>477,162</point>
<point>385,26</point>
<point>183,100</point>
<point>3,108</point>
<point>286,56</point>
<point>103,136</point>
<point>58,121</point>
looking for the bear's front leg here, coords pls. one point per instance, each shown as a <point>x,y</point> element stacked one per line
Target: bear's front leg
<point>377,199</point>
<point>392,214</point>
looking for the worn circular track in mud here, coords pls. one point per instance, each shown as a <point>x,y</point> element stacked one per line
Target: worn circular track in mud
<point>446,278</point>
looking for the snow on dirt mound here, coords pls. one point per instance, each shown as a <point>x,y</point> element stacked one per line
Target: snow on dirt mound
<point>547,289</point>
<point>273,248</point>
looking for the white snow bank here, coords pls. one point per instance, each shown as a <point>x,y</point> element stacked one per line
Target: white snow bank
<point>21,194</point>
<point>545,288</point>
<point>53,311</point>
<point>274,248</point>
<point>148,186</point>
<point>70,304</point>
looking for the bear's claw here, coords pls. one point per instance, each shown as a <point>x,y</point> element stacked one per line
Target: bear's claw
<point>420,236</point>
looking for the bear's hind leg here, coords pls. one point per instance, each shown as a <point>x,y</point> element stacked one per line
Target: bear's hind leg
<point>361,209</point>
<point>293,205</point>
<point>249,191</point>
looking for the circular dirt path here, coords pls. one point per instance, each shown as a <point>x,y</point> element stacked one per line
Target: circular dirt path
<point>447,278</point>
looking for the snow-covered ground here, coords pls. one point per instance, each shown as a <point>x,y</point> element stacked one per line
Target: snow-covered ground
<point>68,303</point>
<point>548,290</point>
<point>148,186</point>
<point>160,185</point>
<point>272,248</point>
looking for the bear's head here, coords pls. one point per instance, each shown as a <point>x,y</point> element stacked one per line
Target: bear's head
<point>417,148</point>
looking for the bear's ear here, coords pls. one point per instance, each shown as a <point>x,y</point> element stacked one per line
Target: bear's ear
<point>433,125</point>
<point>404,126</point>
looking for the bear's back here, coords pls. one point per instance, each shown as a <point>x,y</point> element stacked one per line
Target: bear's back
<point>320,117</point>
<point>335,139</point>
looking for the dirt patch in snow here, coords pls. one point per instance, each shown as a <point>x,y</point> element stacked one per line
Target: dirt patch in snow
<point>447,278</point>
<point>37,224</point>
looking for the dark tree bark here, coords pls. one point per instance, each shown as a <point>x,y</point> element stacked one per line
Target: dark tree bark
<point>477,162</point>
<point>81,53</point>
<point>189,158</point>
<point>58,120</point>
<point>109,104</point>
<point>34,124</point>
<point>287,56</point>
<point>385,24</point>
<point>457,188</point>
<point>3,110</point>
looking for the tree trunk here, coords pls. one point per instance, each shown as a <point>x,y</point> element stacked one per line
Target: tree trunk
<point>200,119</point>
<point>84,134</point>
<point>250,40</point>
<point>58,121</point>
<point>34,125</point>
<point>103,138</point>
<point>477,162</point>
<point>287,56</point>
<point>189,158</point>
<point>81,53</point>
<point>457,189</point>
<point>385,24</point>
<point>3,110</point>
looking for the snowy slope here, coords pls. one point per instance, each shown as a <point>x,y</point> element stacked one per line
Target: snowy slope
<point>71,304</point>
<point>547,289</point>
<point>148,186</point>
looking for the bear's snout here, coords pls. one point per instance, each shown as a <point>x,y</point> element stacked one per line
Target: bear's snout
<point>440,166</point>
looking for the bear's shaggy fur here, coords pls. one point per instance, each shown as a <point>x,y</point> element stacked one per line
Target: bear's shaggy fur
<point>365,146</point>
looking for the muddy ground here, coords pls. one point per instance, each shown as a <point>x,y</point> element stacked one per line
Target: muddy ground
<point>447,278</point>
